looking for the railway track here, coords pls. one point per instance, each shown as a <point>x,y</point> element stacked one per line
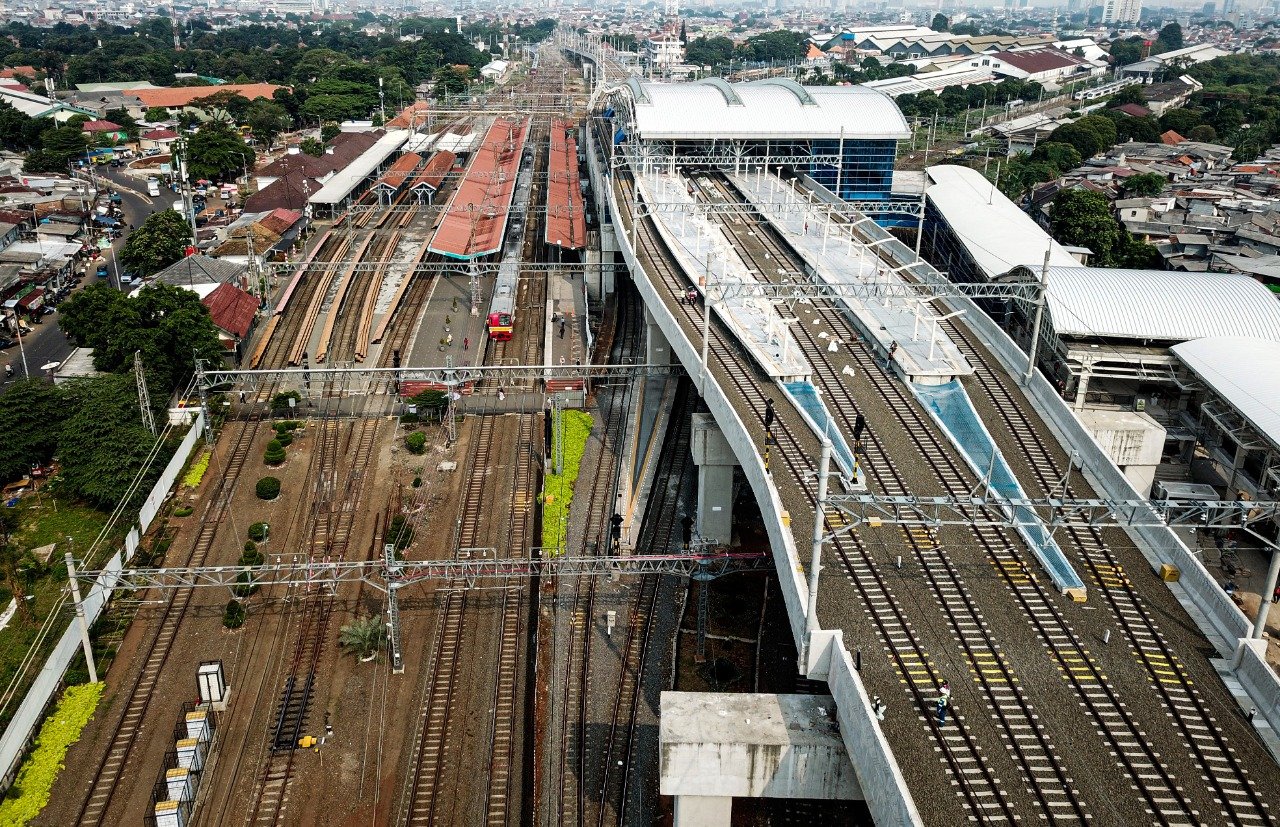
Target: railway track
<point>658,535</point>
<point>573,798</point>
<point>1224,774</point>
<point>981,791</point>
<point>112,768</point>
<point>333,521</point>
<point>1160,792</point>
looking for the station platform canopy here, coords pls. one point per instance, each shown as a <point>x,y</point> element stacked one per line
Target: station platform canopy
<point>775,108</point>
<point>1159,305</point>
<point>1243,371</point>
<point>338,188</point>
<point>996,234</point>
<point>566,224</point>
<point>475,221</point>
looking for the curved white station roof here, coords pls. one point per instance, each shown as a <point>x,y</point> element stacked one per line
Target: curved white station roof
<point>997,234</point>
<point>774,108</point>
<point>1245,372</point>
<point>1160,305</point>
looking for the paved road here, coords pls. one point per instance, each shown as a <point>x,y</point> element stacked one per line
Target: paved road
<point>47,343</point>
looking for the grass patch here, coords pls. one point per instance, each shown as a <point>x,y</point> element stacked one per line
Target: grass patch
<point>195,473</point>
<point>56,521</point>
<point>557,490</point>
<point>30,792</point>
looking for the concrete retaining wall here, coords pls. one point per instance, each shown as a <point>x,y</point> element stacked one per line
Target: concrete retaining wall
<point>1259,680</point>
<point>30,714</point>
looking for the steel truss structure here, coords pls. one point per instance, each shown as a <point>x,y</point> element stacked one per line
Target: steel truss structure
<point>444,375</point>
<point>296,570</point>
<point>532,268</point>
<point>1052,513</point>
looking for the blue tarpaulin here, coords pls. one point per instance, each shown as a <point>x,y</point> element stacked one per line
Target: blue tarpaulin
<point>805,395</point>
<point>954,412</point>
<point>619,137</point>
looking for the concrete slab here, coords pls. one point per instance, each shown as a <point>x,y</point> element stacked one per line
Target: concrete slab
<point>753,745</point>
<point>567,335</point>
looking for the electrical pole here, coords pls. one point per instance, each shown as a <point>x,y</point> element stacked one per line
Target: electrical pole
<point>144,398</point>
<point>81,619</point>
<point>1035,326</point>
<point>815,561</point>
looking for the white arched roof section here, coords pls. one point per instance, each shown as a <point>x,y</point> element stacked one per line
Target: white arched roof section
<point>791,86</point>
<point>777,110</point>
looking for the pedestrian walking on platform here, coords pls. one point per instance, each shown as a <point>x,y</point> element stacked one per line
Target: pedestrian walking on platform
<point>943,701</point>
<point>562,328</point>
<point>466,343</point>
<point>615,528</point>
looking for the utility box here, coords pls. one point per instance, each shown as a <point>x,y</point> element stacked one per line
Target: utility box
<point>1169,573</point>
<point>198,725</point>
<point>190,754</point>
<point>170,814</point>
<point>211,685</point>
<point>178,780</point>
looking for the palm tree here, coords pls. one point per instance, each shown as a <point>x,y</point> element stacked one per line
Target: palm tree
<point>362,637</point>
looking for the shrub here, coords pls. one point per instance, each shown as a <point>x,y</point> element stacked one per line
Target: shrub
<point>251,556</point>
<point>416,442</point>
<point>400,533</point>
<point>196,472</point>
<point>557,491</point>
<point>245,586</point>
<point>268,488</point>
<point>183,511</point>
<point>410,419</point>
<point>30,792</point>
<point>233,616</point>
<point>258,532</point>
<point>274,454</point>
<point>280,402</point>
<point>417,482</point>
<point>284,439</point>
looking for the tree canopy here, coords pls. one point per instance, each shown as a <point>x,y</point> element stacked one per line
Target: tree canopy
<point>58,147</point>
<point>103,444</point>
<point>167,324</point>
<point>27,408</point>
<point>217,152</point>
<point>160,241</point>
<point>940,23</point>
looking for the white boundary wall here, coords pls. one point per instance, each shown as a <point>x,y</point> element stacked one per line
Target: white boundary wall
<point>878,773</point>
<point>30,713</point>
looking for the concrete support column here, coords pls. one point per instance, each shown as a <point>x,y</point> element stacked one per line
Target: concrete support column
<point>1082,386</point>
<point>715,461</point>
<point>657,349</point>
<point>703,811</point>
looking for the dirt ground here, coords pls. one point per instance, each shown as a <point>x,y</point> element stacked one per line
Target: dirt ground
<point>353,775</point>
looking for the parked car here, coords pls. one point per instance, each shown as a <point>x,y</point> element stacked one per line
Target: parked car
<point>6,343</point>
<point>102,271</point>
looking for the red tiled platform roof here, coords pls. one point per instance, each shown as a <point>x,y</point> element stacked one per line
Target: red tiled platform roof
<point>566,225</point>
<point>400,171</point>
<point>432,175</point>
<point>476,218</point>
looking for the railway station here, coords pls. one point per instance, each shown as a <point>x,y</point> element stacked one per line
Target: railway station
<point>628,452</point>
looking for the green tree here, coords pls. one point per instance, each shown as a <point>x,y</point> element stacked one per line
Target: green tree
<point>1062,157</point>
<point>1082,218</point>
<point>168,325</point>
<point>1129,94</point>
<point>16,130</point>
<point>1169,39</point>
<point>267,119</point>
<point>1203,133</point>
<point>311,147</point>
<point>1143,185</point>
<point>362,637</point>
<point>940,23</point>
<point>103,443</point>
<point>1082,137</point>
<point>709,51</point>
<point>29,412</point>
<point>1124,52</point>
<point>59,146</point>
<point>160,241</point>
<point>124,119</point>
<point>1180,120</point>
<point>157,114</point>
<point>218,152</point>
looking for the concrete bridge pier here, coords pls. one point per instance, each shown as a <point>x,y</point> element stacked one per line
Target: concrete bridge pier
<point>715,461</point>
<point>715,747</point>
<point>657,349</point>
